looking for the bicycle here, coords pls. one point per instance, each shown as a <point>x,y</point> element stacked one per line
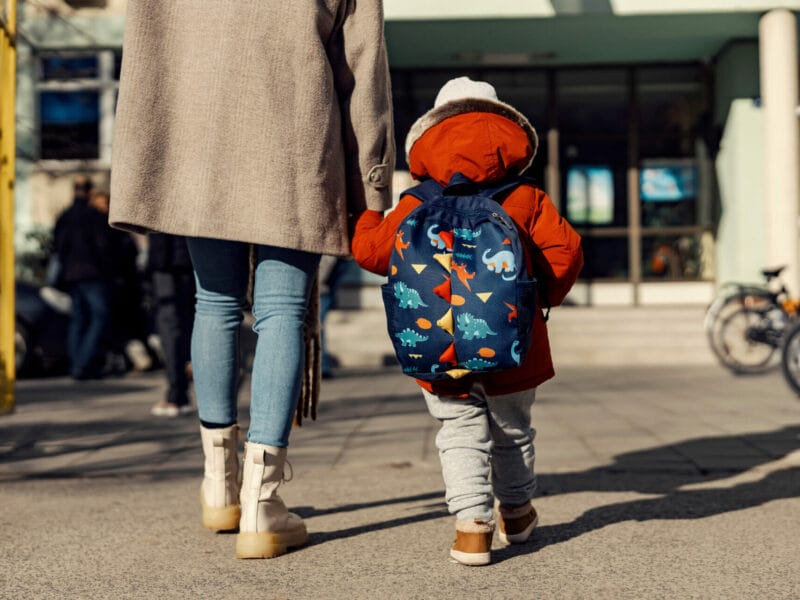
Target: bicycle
<point>745,326</point>
<point>790,357</point>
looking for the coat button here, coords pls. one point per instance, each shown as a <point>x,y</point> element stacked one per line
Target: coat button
<point>377,176</point>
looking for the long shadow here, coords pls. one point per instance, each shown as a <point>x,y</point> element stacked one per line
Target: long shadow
<point>678,504</point>
<point>664,468</point>
<point>310,511</point>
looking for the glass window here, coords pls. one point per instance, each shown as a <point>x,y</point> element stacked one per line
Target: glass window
<point>594,175</point>
<point>673,108</point>
<point>69,124</point>
<point>63,68</point>
<point>590,195</point>
<point>605,258</point>
<point>72,91</point>
<point>668,190</point>
<point>687,256</point>
<point>592,101</point>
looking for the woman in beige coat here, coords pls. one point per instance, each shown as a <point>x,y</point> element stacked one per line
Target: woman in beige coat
<point>252,122</point>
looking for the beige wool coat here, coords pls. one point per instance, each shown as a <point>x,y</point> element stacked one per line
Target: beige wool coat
<point>263,121</point>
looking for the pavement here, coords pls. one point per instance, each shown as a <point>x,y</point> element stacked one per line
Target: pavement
<point>676,481</point>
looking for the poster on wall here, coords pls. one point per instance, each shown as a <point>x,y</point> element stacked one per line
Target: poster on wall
<point>668,180</point>
<point>590,195</point>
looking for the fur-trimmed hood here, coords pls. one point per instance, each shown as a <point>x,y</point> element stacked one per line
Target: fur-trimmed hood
<point>462,95</point>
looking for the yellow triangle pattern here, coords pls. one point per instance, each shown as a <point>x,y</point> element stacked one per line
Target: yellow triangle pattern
<point>446,322</point>
<point>484,296</point>
<point>419,268</point>
<point>458,373</point>
<point>415,355</point>
<point>445,260</point>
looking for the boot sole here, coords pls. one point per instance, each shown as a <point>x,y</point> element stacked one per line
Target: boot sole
<point>521,537</point>
<point>267,544</point>
<point>220,518</point>
<point>472,559</point>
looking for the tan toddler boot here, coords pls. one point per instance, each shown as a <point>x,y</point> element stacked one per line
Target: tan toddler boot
<point>267,528</point>
<point>219,492</point>
<point>516,523</point>
<point>473,542</point>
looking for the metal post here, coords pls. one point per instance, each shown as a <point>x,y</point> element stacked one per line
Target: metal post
<point>8,68</point>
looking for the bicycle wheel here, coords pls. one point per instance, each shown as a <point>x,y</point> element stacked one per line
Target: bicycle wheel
<point>720,309</point>
<point>790,358</point>
<point>733,342</point>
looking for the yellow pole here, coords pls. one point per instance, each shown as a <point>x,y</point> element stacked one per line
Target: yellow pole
<point>8,70</point>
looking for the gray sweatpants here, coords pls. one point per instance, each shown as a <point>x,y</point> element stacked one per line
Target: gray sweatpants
<point>486,449</point>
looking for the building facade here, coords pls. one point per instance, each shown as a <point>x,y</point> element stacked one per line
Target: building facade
<point>656,136</point>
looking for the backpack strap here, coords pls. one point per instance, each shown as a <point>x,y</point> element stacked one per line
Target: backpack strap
<point>461,185</point>
<point>426,191</point>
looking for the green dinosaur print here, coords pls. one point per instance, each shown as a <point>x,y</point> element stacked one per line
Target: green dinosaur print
<point>473,327</point>
<point>408,297</point>
<point>477,364</point>
<point>410,338</point>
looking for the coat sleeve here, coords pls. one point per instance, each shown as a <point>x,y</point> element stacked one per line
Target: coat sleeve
<point>558,254</point>
<point>361,75</point>
<point>374,235</point>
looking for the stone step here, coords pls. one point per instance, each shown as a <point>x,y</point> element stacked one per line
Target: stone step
<point>578,336</point>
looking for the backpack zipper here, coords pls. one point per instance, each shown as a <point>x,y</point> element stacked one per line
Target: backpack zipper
<point>502,219</point>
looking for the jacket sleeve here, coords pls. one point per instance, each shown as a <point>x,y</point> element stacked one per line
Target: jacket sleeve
<point>558,254</point>
<point>361,75</point>
<point>374,235</point>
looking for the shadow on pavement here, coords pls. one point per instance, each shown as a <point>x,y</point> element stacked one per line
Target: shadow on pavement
<point>699,461</point>
<point>664,468</point>
<point>678,504</point>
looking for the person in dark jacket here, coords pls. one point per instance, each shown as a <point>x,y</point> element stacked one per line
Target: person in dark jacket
<point>170,267</point>
<point>81,242</point>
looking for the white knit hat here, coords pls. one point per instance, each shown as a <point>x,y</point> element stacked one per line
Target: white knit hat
<point>462,95</point>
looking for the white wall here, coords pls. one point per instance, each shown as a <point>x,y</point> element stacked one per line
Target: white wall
<point>742,238</point>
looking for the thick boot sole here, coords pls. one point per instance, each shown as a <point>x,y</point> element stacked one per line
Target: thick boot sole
<point>220,518</point>
<point>269,544</point>
<point>471,559</point>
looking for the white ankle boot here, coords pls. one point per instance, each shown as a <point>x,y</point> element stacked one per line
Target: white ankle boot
<point>266,528</point>
<point>219,493</point>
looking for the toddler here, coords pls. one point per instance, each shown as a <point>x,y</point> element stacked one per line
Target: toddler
<point>486,440</point>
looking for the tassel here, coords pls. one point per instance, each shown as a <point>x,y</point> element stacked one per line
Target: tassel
<point>312,374</point>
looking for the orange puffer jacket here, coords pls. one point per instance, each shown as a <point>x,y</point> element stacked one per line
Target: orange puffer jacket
<point>485,147</point>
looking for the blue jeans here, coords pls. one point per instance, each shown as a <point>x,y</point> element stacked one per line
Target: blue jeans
<point>283,282</point>
<point>486,450</point>
<point>88,326</point>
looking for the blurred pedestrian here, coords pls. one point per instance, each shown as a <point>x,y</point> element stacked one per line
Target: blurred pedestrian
<point>81,241</point>
<point>270,137</point>
<point>172,279</point>
<point>128,325</point>
<point>486,440</point>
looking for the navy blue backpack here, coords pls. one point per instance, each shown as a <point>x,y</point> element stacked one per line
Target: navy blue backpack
<point>459,299</point>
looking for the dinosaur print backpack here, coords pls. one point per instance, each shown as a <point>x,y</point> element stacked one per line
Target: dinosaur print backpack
<point>459,299</point>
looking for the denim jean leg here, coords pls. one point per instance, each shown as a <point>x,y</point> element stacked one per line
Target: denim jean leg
<point>464,447</point>
<point>283,282</point>
<point>92,330</point>
<point>77,325</point>
<point>221,276</point>
<point>513,478</point>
